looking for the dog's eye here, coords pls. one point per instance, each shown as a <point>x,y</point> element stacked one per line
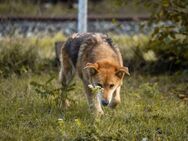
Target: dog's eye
<point>111,85</point>
<point>100,85</point>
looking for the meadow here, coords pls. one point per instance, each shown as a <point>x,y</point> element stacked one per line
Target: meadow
<point>32,103</point>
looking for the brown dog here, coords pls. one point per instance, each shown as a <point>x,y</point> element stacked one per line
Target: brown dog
<point>97,62</point>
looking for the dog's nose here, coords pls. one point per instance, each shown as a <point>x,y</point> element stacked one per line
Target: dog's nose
<point>104,102</point>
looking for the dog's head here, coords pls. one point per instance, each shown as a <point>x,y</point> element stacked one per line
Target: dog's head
<point>108,76</point>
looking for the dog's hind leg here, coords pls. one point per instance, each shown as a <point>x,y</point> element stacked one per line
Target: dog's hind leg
<point>67,69</point>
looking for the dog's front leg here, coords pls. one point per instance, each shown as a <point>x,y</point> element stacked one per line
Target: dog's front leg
<point>116,98</point>
<point>97,102</point>
<point>93,101</point>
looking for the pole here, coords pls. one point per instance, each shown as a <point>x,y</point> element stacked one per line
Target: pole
<point>82,16</point>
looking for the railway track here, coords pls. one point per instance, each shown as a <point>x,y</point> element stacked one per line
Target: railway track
<point>71,18</point>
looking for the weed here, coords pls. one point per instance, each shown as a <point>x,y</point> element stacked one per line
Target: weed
<point>58,96</point>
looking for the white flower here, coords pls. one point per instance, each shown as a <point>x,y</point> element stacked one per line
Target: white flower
<point>95,89</point>
<point>60,119</point>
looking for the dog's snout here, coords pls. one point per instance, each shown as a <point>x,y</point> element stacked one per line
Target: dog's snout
<point>104,102</point>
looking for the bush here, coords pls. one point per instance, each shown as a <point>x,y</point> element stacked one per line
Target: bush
<point>17,59</point>
<point>134,52</point>
<point>141,52</point>
<point>169,39</point>
<point>167,49</point>
<point>21,55</point>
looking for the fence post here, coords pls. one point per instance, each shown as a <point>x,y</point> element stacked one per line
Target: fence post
<point>82,16</point>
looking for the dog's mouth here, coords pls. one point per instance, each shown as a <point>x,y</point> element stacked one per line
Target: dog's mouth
<point>104,102</point>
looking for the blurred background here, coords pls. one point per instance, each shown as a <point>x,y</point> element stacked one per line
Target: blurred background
<point>152,35</point>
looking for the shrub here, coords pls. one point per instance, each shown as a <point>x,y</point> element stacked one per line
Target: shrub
<point>17,59</point>
<point>21,55</point>
<point>168,44</point>
<point>133,50</point>
<point>169,39</point>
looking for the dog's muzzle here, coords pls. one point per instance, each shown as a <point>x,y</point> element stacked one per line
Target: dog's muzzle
<point>104,102</point>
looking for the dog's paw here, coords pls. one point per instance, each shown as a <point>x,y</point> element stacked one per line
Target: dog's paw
<point>100,112</point>
<point>96,112</point>
<point>114,104</point>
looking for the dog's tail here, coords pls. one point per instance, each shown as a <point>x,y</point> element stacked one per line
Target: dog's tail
<point>58,48</point>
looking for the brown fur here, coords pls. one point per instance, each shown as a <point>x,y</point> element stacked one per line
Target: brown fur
<point>97,62</point>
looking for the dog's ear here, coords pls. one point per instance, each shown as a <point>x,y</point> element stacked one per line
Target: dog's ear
<point>122,71</point>
<point>92,68</point>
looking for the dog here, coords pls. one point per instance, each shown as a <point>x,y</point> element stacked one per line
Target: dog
<point>98,62</point>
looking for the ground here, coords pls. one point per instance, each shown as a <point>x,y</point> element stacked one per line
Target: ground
<point>150,110</point>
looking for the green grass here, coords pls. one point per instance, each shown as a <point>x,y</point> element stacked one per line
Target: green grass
<point>150,109</point>
<point>31,106</point>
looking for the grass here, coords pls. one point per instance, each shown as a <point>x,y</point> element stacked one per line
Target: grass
<point>32,109</point>
<point>150,109</point>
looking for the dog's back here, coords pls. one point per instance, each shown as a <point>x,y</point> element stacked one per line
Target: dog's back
<point>86,40</point>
